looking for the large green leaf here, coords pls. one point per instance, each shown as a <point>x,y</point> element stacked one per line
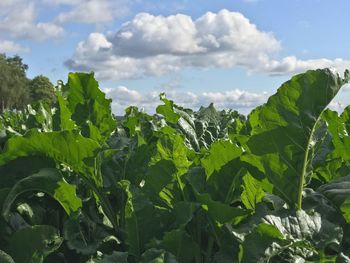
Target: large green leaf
<point>167,110</point>
<point>180,244</point>
<point>220,153</point>
<point>33,244</point>
<point>337,153</point>
<point>289,236</point>
<point>256,244</point>
<point>67,147</point>
<point>338,192</point>
<point>5,258</point>
<point>120,257</point>
<point>223,171</point>
<point>89,107</point>
<point>49,181</point>
<point>220,212</point>
<point>284,130</point>
<point>158,256</point>
<point>62,119</point>
<point>203,127</point>
<point>83,234</point>
<point>253,192</point>
<point>143,221</point>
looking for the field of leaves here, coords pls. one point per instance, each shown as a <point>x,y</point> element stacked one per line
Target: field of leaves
<point>77,185</point>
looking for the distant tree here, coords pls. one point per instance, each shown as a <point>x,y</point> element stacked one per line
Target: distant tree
<point>41,88</point>
<point>14,92</point>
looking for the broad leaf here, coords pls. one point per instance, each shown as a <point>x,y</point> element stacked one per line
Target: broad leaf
<point>62,119</point>
<point>89,107</point>
<point>288,236</point>
<point>33,244</point>
<point>167,110</point>
<point>256,244</point>
<point>219,154</point>
<point>180,244</point>
<point>67,147</point>
<point>338,192</point>
<point>120,257</point>
<point>142,220</point>
<point>5,258</point>
<point>154,255</point>
<point>83,235</point>
<point>253,192</point>
<point>284,130</point>
<point>49,181</point>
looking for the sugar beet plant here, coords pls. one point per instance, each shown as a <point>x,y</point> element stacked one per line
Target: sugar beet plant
<point>179,186</point>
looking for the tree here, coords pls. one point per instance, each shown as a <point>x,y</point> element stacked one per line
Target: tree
<point>41,88</point>
<point>14,92</point>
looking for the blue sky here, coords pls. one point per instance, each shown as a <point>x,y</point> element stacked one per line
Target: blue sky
<point>232,53</point>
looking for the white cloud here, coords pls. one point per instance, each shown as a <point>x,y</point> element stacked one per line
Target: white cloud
<point>91,11</point>
<point>18,18</point>
<point>155,45</point>
<point>293,65</point>
<point>233,99</point>
<point>7,46</point>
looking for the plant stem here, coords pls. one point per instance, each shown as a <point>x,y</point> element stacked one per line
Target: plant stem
<point>199,238</point>
<point>209,249</point>
<point>305,162</point>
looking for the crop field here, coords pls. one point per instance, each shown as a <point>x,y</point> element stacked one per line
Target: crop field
<point>78,185</point>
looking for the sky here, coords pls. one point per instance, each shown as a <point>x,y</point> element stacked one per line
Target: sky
<point>235,53</point>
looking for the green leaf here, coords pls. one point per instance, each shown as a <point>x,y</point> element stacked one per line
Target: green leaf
<point>167,110</point>
<point>342,259</point>
<point>162,181</point>
<point>154,255</point>
<point>220,212</point>
<point>49,181</point>
<point>116,256</point>
<point>180,244</point>
<point>5,258</point>
<point>284,130</point>
<point>21,167</point>
<point>219,154</point>
<point>67,147</point>
<point>184,212</point>
<point>83,234</point>
<point>62,119</point>
<point>338,192</point>
<point>89,107</point>
<point>143,221</point>
<point>335,148</point>
<point>256,244</point>
<point>252,192</point>
<point>33,244</point>
<point>296,235</point>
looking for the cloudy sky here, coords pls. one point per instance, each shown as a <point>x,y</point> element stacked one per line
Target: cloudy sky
<point>234,53</point>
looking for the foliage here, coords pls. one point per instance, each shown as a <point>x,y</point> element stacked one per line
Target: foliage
<point>180,185</point>
<point>41,88</point>
<point>13,83</point>
<point>17,90</point>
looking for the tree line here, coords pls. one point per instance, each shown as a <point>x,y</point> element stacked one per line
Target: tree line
<point>17,90</point>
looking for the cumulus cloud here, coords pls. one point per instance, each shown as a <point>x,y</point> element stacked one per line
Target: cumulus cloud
<point>155,45</point>
<point>233,99</point>
<point>18,19</point>
<point>7,46</point>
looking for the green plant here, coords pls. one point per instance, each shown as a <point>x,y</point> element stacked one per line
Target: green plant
<point>177,186</point>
